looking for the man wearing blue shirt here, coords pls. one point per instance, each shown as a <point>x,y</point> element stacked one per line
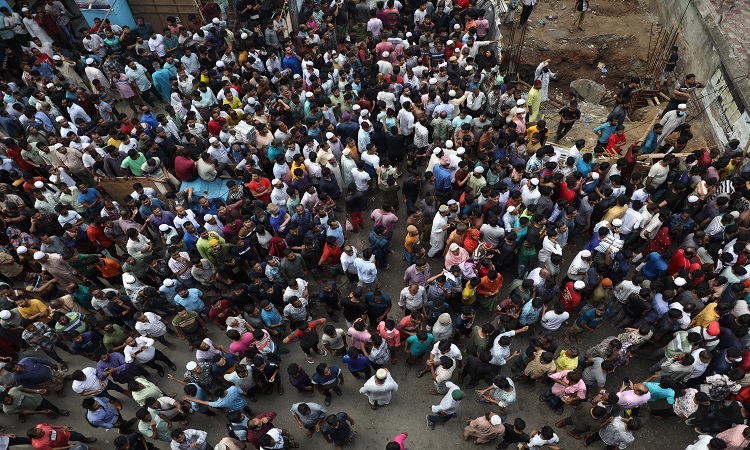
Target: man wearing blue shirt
<point>442,174</point>
<point>190,298</point>
<point>231,400</point>
<point>605,130</point>
<point>90,198</point>
<point>104,412</point>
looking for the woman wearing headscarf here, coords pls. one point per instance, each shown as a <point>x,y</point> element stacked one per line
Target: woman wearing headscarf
<point>455,256</point>
<point>443,328</point>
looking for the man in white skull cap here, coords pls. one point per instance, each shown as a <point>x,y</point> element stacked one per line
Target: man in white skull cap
<point>670,121</point>
<point>579,266</point>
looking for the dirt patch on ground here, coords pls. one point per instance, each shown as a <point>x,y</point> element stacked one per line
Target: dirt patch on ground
<point>616,35</point>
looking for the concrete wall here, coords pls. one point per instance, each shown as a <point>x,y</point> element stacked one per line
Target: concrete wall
<point>709,51</point>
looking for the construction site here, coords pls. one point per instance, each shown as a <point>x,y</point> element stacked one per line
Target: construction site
<point>627,40</point>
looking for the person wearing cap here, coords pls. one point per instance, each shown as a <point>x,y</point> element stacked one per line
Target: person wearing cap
<point>484,428</point>
<point>670,121</point>
<point>477,181</point>
<point>379,388</point>
<point>579,266</point>
<point>438,231</point>
<point>448,406</point>
<point>59,268</point>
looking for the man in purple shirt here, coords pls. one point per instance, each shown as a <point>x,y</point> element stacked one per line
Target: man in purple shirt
<point>417,273</point>
<point>159,216</point>
<point>633,396</point>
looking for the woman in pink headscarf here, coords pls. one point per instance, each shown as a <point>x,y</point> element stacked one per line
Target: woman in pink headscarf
<point>456,255</point>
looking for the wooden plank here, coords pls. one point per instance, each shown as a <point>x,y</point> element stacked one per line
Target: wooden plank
<point>119,188</point>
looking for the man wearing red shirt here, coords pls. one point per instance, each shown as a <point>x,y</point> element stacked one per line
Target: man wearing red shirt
<point>220,311</point>
<point>214,125</point>
<point>260,187</point>
<point>567,190</point>
<point>47,437</point>
<point>95,232</point>
<point>682,259</point>
<point>184,168</point>
<point>571,295</point>
<point>331,258</point>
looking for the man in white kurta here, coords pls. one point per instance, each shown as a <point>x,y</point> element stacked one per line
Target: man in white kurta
<point>671,121</point>
<point>437,233</point>
<point>379,389</point>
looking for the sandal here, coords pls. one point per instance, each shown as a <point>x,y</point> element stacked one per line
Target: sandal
<point>280,390</point>
<point>421,373</point>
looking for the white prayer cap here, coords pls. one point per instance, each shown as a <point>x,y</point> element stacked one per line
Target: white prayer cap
<point>208,217</point>
<point>449,144</point>
<point>191,365</point>
<point>243,36</point>
<point>511,208</point>
<point>433,81</point>
<point>22,249</point>
<point>496,420</point>
<point>39,255</point>
<point>679,281</point>
<point>219,63</point>
<point>363,113</point>
<point>89,61</point>
<point>578,285</point>
<point>309,94</point>
<point>58,119</point>
<point>216,21</point>
<point>128,278</point>
<point>617,223</point>
<point>520,111</point>
<point>5,314</point>
<point>168,282</point>
<point>57,146</point>
<point>329,135</point>
<point>535,181</point>
<point>479,170</point>
<point>452,93</point>
<point>386,54</point>
<point>682,106</point>
<point>460,151</point>
<point>164,227</point>
<point>212,140</point>
<point>693,198</point>
<point>585,253</point>
<point>595,175</point>
<point>449,42</point>
<point>436,150</point>
<point>57,58</point>
<point>520,102</point>
<point>38,184</point>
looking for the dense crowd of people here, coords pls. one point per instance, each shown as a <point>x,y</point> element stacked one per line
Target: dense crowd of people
<point>400,112</point>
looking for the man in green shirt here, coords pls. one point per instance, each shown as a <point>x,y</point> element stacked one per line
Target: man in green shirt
<point>114,338</point>
<point>26,402</point>
<point>132,164</point>
<point>153,427</point>
<point>141,389</point>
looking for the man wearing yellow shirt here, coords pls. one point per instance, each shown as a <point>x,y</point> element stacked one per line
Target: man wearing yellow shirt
<point>33,309</point>
<point>534,100</point>
<point>568,359</point>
